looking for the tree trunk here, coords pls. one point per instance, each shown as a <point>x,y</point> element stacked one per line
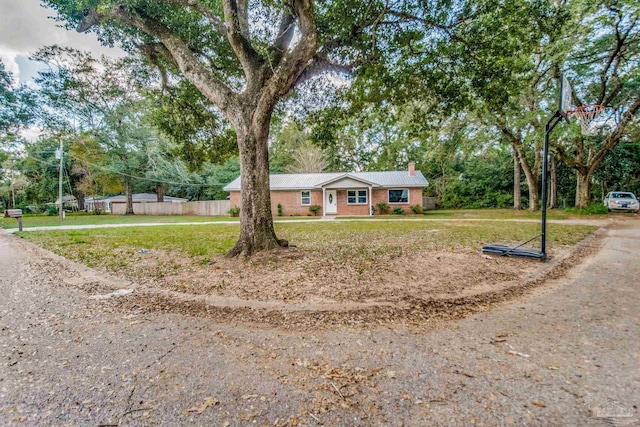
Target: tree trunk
<point>129,197</point>
<point>517,191</point>
<point>534,197</point>
<point>256,221</point>
<point>80,198</point>
<point>553,193</point>
<point>161,189</point>
<point>583,189</point>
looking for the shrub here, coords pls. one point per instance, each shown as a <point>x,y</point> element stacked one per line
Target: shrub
<point>96,211</point>
<point>417,209</point>
<point>398,211</point>
<point>595,209</point>
<point>279,209</point>
<point>382,207</point>
<point>234,211</point>
<point>52,210</point>
<point>314,209</point>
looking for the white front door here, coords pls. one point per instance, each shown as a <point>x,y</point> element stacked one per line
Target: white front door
<point>331,202</point>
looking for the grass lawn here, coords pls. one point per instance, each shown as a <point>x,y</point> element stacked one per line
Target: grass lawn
<point>49,221</point>
<point>332,238</point>
<point>332,260</point>
<point>488,214</point>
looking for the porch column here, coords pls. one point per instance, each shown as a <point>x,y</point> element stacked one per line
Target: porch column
<point>370,200</point>
<point>324,198</point>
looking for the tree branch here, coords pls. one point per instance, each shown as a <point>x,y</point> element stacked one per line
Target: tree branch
<point>212,87</point>
<point>614,137</point>
<point>283,39</point>
<point>295,60</point>
<point>318,66</point>
<point>237,32</point>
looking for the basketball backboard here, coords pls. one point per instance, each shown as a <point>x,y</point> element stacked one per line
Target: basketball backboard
<point>566,97</point>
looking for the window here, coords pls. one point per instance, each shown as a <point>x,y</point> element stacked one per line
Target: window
<point>305,198</point>
<point>399,196</point>
<point>356,197</point>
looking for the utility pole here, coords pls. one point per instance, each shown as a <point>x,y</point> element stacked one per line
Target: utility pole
<point>60,208</point>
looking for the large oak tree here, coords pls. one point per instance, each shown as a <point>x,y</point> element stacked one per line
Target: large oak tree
<point>246,56</point>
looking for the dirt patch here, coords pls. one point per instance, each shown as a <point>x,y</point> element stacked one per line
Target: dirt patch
<point>411,310</point>
<point>298,275</point>
<point>300,289</point>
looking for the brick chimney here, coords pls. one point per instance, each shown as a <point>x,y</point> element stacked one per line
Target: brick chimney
<point>412,168</point>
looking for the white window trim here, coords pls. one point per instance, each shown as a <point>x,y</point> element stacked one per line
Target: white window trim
<point>301,196</point>
<point>356,190</point>
<point>408,202</point>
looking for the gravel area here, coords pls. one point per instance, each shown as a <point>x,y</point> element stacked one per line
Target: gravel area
<point>560,354</point>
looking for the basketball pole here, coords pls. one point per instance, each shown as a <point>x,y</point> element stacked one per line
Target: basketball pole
<point>551,124</point>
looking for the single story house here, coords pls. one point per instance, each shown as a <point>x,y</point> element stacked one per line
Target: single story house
<point>144,198</point>
<point>104,203</point>
<point>341,193</point>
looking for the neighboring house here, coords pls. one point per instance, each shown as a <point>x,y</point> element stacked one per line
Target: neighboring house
<point>93,203</point>
<point>143,198</point>
<point>104,203</point>
<point>341,193</point>
<point>68,202</point>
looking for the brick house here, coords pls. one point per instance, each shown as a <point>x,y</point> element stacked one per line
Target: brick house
<point>341,193</point>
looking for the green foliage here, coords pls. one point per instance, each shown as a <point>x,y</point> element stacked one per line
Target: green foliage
<point>314,209</point>
<point>593,209</point>
<point>234,211</point>
<point>52,210</point>
<point>398,211</point>
<point>199,133</point>
<point>279,209</point>
<point>382,207</point>
<point>417,209</point>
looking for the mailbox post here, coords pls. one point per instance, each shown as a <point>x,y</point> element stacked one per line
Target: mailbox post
<point>14,213</point>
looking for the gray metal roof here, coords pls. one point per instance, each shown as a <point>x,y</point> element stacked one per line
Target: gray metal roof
<point>142,197</point>
<point>304,181</point>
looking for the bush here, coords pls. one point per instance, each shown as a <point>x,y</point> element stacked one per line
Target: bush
<point>398,211</point>
<point>52,210</point>
<point>234,211</point>
<point>96,211</point>
<point>595,209</point>
<point>382,207</point>
<point>314,209</point>
<point>279,209</point>
<point>417,209</point>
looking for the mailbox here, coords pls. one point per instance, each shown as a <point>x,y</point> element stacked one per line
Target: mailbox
<point>14,213</point>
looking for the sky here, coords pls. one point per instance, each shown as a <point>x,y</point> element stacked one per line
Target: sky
<point>25,27</point>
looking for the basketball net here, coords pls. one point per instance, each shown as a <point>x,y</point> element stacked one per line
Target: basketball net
<point>586,115</point>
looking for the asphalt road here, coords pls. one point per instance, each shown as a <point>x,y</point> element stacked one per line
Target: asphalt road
<point>564,355</point>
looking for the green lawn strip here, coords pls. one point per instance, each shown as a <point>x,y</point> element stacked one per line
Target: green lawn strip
<point>484,214</point>
<point>52,221</point>
<point>359,242</point>
<point>48,221</point>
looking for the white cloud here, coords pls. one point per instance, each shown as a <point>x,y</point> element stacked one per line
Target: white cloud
<point>25,27</point>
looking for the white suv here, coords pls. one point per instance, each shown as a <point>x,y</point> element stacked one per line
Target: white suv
<point>619,200</point>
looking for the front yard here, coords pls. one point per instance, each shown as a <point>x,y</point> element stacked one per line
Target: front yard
<point>352,261</point>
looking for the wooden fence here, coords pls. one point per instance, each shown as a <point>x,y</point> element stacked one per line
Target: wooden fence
<point>428,203</point>
<point>204,208</point>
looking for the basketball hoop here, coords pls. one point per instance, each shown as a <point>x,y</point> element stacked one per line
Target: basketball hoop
<point>586,113</point>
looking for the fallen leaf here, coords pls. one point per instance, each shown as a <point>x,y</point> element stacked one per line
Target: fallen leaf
<point>247,417</point>
<point>517,353</point>
<point>208,401</point>
<point>538,404</point>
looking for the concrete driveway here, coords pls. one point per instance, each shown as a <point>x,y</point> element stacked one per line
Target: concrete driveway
<point>569,354</point>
